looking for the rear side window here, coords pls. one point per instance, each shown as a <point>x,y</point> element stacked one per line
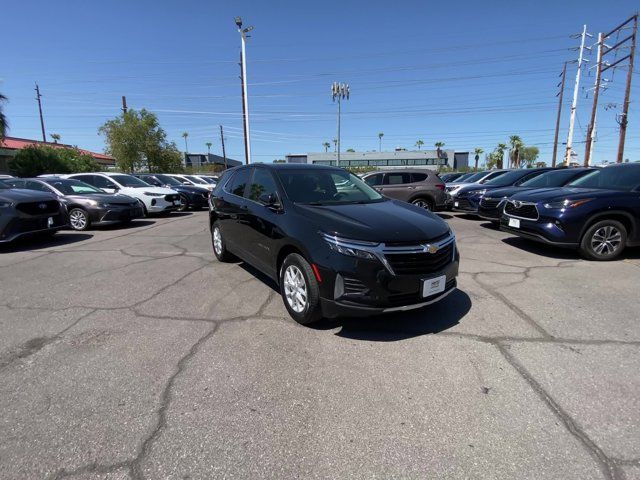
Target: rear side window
<point>397,178</point>
<point>418,177</point>
<point>100,182</point>
<point>238,183</point>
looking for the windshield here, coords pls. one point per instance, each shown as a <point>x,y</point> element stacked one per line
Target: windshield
<point>463,178</point>
<point>209,180</point>
<point>490,176</point>
<point>129,181</point>
<point>553,179</point>
<point>624,178</point>
<point>72,187</point>
<point>474,177</point>
<point>326,187</point>
<point>196,179</point>
<point>167,180</point>
<point>508,178</point>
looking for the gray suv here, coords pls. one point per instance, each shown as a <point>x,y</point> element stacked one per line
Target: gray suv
<point>423,188</point>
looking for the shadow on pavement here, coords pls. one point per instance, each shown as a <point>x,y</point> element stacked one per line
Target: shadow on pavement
<point>37,242</point>
<point>542,249</point>
<point>444,216</point>
<point>124,226</point>
<point>400,326</point>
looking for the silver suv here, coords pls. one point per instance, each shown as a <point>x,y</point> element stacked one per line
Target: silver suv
<point>421,187</point>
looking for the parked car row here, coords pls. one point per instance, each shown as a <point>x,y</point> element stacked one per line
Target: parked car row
<point>49,203</point>
<point>593,210</point>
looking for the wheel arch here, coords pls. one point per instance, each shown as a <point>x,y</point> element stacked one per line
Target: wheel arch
<point>625,218</point>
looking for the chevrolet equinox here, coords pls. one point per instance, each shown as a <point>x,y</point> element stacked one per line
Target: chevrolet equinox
<point>333,244</point>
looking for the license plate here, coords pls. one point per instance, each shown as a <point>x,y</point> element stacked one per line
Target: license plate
<point>431,286</point>
<point>514,222</point>
<point>50,222</point>
<point>455,204</point>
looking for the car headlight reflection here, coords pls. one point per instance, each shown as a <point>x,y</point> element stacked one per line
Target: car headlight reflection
<point>351,248</point>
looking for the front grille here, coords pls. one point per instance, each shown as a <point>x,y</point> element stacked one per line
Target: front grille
<point>420,263</point>
<point>353,286</point>
<point>46,207</point>
<point>490,202</point>
<point>171,198</point>
<point>523,210</point>
<point>413,243</point>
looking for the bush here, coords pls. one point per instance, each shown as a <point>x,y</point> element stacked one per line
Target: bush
<point>33,161</point>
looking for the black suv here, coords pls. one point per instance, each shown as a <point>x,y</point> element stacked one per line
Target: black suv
<point>334,244</point>
<point>191,196</point>
<point>598,213</point>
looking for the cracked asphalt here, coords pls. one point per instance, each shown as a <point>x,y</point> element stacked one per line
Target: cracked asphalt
<point>130,353</point>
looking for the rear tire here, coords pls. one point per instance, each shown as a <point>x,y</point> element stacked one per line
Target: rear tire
<point>219,245</point>
<point>424,203</point>
<point>299,290</point>
<point>604,240</point>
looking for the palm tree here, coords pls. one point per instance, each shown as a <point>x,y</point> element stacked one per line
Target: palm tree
<point>326,146</point>
<point>478,151</point>
<point>514,155</point>
<point>55,137</point>
<point>439,146</point>
<point>380,135</point>
<point>4,125</point>
<point>419,144</point>
<point>186,146</point>
<point>500,149</point>
<point>208,144</point>
<point>335,144</point>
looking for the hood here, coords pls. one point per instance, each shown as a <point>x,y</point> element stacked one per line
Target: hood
<point>160,190</point>
<point>20,195</point>
<point>550,194</point>
<point>388,221</point>
<point>502,192</point>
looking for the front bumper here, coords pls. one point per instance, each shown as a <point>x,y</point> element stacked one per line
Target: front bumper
<point>160,204</point>
<point>545,230</point>
<point>115,213</point>
<point>465,204</point>
<point>21,225</point>
<point>198,201</point>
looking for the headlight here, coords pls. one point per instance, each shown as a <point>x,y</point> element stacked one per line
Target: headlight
<point>93,203</point>
<point>566,203</point>
<point>5,204</point>
<point>351,248</point>
<point>150,194</point>
<point>478,192</point>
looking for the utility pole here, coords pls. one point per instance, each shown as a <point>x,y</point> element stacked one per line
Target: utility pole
<point>38,96</point>
<point>224,152</point>
<point>243,79</point>
<point>124,104</point>
<point>574,103</point>
<point>339,91</point>
<point>591,129</point>
<point>560,96</point>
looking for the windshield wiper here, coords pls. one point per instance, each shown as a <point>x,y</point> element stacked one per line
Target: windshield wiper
<point>315,204</point>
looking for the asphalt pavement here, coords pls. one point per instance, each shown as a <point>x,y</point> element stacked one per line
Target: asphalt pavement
<point>131,353</point>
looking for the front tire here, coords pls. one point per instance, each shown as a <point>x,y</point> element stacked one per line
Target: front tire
<point>299,290</point>
<point>604,240</point>
<point>79,219</point>
<point>184,203</point>
<point>219,245</point>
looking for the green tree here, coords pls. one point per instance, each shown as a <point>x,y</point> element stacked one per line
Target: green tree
<point>529,155</point>
<point>4,124</point>
<point>279,160</point>
<point>326,146</point>
<point>335,144</point>
<point>55,137</point>
<point>514,154</point>
<point>135,138</point>
<point>439,146</point>
<point>208,144</point>
<point>76,161</point>
<point>478,151</point>
<point>500,149</point>
<point>350,150</point>
<point>186,146</point>
<point>380,135</point>
<point>541,164</point>
<point>419,144</point>
<point>33,161</point>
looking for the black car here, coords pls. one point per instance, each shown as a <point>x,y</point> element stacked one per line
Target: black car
<point>492,202</point>
<point>191,196</point>
<point>25,212</point>
<point>598,213</point>
<point>334,244</point>
<point>87,205</point>
<point>467,198</point>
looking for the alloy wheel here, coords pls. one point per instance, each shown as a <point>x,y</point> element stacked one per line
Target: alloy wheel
<point>422,204</point>
<point>606,240</point>
<point>295,289</point>
<point>217,241</point>
<point>78,219</point>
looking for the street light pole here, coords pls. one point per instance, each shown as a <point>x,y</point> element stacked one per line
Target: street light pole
<point>245,97</point>
<point>339,91</point>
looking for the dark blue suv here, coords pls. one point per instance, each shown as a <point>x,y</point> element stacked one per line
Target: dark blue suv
<point>467,199</point>
<point>598,213</point>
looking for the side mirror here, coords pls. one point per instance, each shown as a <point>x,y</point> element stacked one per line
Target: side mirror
<point>268,199</point>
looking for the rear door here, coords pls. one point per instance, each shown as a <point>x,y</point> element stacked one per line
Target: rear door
<point>397,185</point>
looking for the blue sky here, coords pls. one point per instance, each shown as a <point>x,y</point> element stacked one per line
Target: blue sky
<point>467,73</point>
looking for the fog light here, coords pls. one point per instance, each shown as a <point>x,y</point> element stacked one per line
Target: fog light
<point>153,202</point>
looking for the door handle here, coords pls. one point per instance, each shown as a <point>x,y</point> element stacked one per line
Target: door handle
<point>244,207</point>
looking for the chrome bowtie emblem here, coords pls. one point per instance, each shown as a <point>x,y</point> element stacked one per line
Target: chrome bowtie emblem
<point>42,206</point>
<point>431,248</point>
<point>517,204</point>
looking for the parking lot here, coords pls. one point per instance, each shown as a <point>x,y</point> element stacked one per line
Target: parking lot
<point>132,353</point>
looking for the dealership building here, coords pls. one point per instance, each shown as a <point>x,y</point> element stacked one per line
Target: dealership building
<point>430,159</point>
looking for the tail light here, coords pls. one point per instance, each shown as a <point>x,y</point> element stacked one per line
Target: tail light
<point>440,186</point>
